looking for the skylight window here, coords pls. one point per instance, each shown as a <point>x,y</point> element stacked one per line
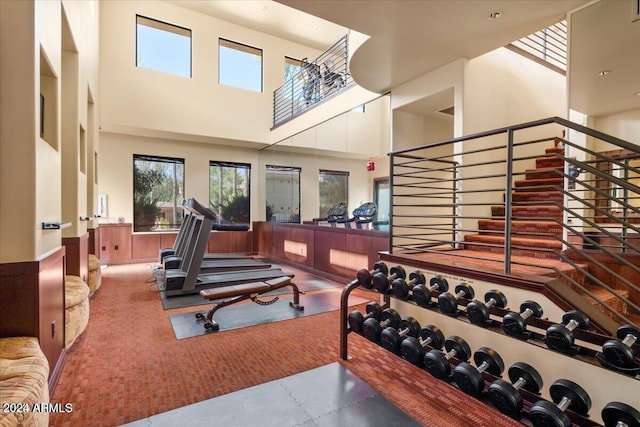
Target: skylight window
<point>163,47</point>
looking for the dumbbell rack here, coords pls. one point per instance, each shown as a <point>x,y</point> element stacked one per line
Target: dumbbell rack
<point>584,353</point>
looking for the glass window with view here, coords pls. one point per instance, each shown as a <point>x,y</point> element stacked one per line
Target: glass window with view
<point>239,65</point>
<point>158,191</point>
<point>334,188</point>
<point>229,197</point>
<point>283,193</point>
<point>163,47</point>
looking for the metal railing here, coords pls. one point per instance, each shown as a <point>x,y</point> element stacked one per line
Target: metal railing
<point>316,80</point>
<point>532,200</point>
<point>548,46</point>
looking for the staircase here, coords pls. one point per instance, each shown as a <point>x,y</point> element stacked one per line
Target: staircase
<point>537,225</point>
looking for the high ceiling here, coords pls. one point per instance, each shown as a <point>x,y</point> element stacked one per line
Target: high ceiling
<point>411,38</point>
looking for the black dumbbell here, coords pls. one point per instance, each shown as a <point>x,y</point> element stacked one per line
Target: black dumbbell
<point>437,363</point>
<point>401,287</point>
<point>422,294</point>
<point>619,353</point>
<point>372,328</point>
<point>356,318</point>
<point>412,348</point>
<point>381,281</point>
<point>560,337</point>
<point>506,397</point>
<point>515,324</point>
<point>449,303</point>
<point>618,414</point>
<point>364,276</point>
<point>478,312</point>
<point>566,395</point>
<point>391,338</point>
<point>469,378</point>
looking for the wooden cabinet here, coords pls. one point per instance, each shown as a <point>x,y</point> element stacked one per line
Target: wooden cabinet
<point>115,243</point>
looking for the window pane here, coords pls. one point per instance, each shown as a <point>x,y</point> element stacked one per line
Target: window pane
<point>283,194</point>
<point>334,188</point>
<point>163,47</point>
<point>229,197</point>
<point>240,65</point>
<point>158,191</point>
<point>291,67</point>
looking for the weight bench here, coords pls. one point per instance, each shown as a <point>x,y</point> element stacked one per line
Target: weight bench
<point>242,292</point>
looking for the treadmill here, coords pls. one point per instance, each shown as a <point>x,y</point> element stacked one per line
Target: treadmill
<point>171,258</point>
<point>188,279</point>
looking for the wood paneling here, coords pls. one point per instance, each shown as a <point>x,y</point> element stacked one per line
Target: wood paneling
<point>32,299</point>
<point>145,246</point>
<point>115,243</point>
<point>77,255</point>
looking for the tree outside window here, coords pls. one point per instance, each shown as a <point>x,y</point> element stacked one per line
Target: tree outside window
<point>158,191</point>
<point>229,191</point>
<point>334,188</point>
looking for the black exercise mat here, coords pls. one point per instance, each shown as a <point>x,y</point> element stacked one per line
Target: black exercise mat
<point>186,325</point>
<point>170,303</point>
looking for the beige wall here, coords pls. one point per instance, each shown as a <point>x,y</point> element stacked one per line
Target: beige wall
<point>31,168</point>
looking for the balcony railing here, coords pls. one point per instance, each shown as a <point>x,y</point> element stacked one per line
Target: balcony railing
<point>547,46</point>
<point>528,199</point>
<point>316,80</point>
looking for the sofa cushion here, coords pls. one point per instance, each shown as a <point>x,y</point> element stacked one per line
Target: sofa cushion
<point>23,380</point>
<point>75,291</point>
<point>95,274</point>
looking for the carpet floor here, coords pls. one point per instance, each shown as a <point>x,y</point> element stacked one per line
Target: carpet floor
<point>128,365</point>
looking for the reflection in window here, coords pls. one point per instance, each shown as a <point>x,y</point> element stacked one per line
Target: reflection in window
<point>334,188</point>
<point>229,196</point>
<point>239,65</point>
<point>158,191</point>
<point>283,193</point>
<point>163,47</point>
<point>382,198</point>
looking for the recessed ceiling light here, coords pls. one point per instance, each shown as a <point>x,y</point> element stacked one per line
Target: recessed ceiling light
<point>495,14</point>
<point>637,93</point>
<point>604,72</point>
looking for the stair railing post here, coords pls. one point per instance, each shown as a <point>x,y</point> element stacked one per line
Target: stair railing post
<point>507,203</point>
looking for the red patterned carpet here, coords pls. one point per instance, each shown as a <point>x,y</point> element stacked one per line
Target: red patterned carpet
<point>128,364</point>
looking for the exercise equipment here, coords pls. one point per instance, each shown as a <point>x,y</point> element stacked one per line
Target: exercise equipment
<point>372,328</point>
<point>336,213</point>
<point>362,215</point>
<point>437,363</point>
<point>422,294</point>
<point>619,353</point>
<point>469,378</point>
<point>356,318</point>
<point>242,292</point>
<point>618,414</point>
<point>364,276</point>
<point>478,312</point>
<point>188,280</point>
<point>448,303</point>
<point>515,324</point>
<point>413,348</point>
<point>401,288</point>
<point>566,395</point>
<point>559,337</point>
<point>381,281</point>
<point>391,338</point>
<point>506,396</point>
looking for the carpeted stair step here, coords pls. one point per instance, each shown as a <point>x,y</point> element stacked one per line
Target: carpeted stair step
<point>607,298</point>
<point>545,184</point>
<point>520,246</point>
<point>531,212</point>
<point>542,173</point>
<point>554,150</point>
<point>542,197</point>
<point>549,162</point>
<point>541,229</point>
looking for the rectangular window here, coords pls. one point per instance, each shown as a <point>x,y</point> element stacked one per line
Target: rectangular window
<point>229,196</point>
<point>283,193</point>
<point>334,188</point>
<point>163,47</point>
<point>158,191</point>
<point>239,65</point>
<point>292,67</point>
